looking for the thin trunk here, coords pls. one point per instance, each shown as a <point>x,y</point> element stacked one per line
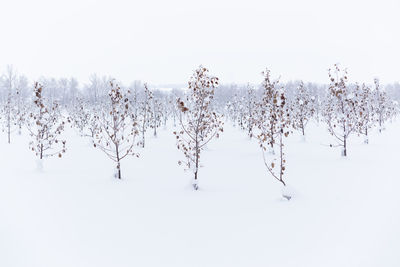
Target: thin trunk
<point>366,141</point>
<point>143,137</point>
<point>195,186</point>
<point>118,161</point>
<point>344,139</point>
<point>281,156</point>
<point>9,132</point>
<point>9,120</point>
<point>272,136</point>
<point>119,170</point>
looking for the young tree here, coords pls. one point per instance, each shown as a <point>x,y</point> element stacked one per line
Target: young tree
<point>156,114</point>
<point>273,122</point>
<point>267,119</point>
<point>340,111</point>
<point>199,124</point>
<point>234,110</point>
<point>302,108</point>
<point>20,99</point>
<point>45,125</point>
<point>365,110</point>
<point>144,114</point>
<point>250,102</point>
<point>83,117</point>
<point>10,80</point>
<point>135,98</point>
<point>117,129</point>
<point>383,106</point>
<point>166,109</point>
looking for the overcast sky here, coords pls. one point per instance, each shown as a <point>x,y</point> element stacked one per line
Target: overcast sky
<point>162,41</point>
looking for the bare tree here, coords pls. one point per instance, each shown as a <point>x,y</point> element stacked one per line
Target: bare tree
<point>273,122</point>
<point>82,115</point>
<point>156,114</point>
<point>340,111</point>
<point>135,98</point>
<point>117,129</point>
<point>20,99</point>
<point>365,110</point>
<point>145,112</point>
<point>267,110</point>
<point>199,124</point>
<point>45,125</point>
<point>250,102</point>
<point>383,105</point>
<point>302,108</point>
<point>10,79</point>
<point>235,110</point>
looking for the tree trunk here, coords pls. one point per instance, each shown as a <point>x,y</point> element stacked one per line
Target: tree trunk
<point>143,137</point>
<point>344,147</point>
<point>119,170</point>
<point>9,126</point>
<point>195,186</point>
<point>118,161</point>
<point>281,159</point>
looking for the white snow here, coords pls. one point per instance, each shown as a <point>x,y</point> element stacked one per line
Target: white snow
<point>345,211</point>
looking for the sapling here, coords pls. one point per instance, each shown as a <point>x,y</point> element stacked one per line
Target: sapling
<point>45,125</point>
<point>383,106</point>
<point>273,123</point>
<point>83,117</point>
<point>155,115</point>
<point>144,113</point>
<point>340,111</point>
<point>10,107</point>
<point>267,120</point>
<point>117,129</point>
<point>198,122</point>
<point>250,103</point>
<point>302,108</point>
<point>365,111</point>
<point>21,105</point>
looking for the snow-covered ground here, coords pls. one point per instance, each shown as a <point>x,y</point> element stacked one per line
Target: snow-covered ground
<point>345,211</point>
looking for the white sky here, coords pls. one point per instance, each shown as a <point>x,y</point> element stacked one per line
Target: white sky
<point>162,41</point>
